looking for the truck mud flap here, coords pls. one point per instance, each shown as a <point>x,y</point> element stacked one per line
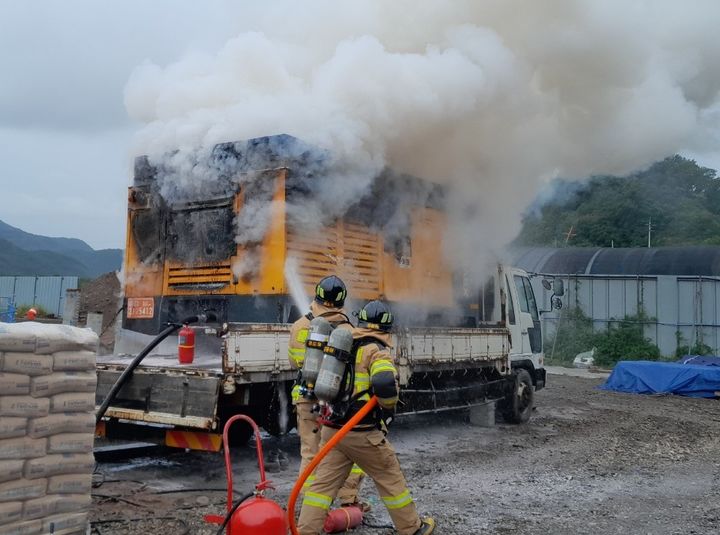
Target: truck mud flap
<point>540,378</point>
<point>182,400</point>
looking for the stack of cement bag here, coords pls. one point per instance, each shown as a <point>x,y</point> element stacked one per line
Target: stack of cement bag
<point>47,399</point>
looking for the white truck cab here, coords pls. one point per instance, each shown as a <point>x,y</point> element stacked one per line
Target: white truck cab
<point>523,322</point>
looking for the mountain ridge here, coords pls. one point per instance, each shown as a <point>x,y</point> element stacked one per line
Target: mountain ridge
<point>26,254</point>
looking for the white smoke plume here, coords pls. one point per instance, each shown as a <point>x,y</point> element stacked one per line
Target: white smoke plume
<point>492,98</point>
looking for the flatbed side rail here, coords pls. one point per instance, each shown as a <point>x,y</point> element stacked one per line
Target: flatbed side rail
<point>251,349</point>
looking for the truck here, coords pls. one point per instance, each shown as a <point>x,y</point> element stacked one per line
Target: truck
<point>235,245</point>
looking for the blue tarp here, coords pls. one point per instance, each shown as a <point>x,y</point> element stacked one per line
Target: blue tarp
<point>645,377</point>
<point>700,360</point>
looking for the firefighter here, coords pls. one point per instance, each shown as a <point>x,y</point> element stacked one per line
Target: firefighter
<point>366,445</point>
<point>329,300</point>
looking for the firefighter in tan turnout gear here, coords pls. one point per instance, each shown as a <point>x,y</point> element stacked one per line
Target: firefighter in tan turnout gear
<point>366,444</point>
<point>329,300</point>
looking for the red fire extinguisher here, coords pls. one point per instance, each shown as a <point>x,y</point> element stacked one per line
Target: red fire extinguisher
<point>186,345</point>
<point>253,514</point>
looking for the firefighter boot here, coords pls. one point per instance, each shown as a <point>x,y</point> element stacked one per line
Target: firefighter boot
<point>427,526</point>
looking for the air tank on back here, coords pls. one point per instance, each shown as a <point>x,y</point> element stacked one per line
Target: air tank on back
<point>335,361</point>
<point>320,330</point>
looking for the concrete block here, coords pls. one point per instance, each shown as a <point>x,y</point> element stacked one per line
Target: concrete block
<point>71,310</point>
<point>95,322</point>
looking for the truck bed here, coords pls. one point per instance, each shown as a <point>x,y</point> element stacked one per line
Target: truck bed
<point>163,391</point>
<point>205,363</point>
<point>255,352</point>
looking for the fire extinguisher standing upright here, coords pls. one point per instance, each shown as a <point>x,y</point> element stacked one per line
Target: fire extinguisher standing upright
<point>186,345</point>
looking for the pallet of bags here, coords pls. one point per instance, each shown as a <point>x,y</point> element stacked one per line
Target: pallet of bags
<point>47,425</point>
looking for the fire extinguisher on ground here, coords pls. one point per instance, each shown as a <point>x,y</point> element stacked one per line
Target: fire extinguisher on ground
<point>186,345</point>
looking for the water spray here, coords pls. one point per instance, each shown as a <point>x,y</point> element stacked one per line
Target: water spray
<point>295,285</point>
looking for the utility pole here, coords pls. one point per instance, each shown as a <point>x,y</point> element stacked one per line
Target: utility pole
<point>570,234</point>
<point>649,231</point>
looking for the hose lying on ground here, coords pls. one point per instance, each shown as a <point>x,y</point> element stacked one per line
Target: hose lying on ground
<point>128,371</point>
<point>232,510</point>
<point>337,437</point>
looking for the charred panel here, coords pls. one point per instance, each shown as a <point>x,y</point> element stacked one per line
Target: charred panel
<point>148,234</point>
<point>201,234</point>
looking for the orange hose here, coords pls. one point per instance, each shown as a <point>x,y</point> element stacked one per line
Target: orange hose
<point>337,437</point>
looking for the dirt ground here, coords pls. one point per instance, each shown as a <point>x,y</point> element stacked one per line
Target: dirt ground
<point>589,462</point>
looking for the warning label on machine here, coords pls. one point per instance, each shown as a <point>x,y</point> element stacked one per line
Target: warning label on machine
<point>140,307</point>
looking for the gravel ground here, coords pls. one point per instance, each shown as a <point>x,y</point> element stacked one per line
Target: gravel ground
<point>588,462</point>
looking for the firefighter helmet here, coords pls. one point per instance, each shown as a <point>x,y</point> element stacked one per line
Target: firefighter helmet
<point>375,315</point>
<point>331,292</point>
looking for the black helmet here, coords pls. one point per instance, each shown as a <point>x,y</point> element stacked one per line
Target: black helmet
<point>375,315</point>
<point>331,292</point>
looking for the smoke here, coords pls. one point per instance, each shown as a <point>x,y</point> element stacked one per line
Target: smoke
<point>492,99</point>
<point>558,191</point>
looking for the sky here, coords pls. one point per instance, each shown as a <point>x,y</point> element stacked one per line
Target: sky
<point>66,139</point>
<point>65,136</point>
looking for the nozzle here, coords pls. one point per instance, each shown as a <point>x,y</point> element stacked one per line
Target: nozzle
<point>208,316</point>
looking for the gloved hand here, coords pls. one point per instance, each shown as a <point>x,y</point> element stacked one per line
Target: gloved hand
<point>387,415</point>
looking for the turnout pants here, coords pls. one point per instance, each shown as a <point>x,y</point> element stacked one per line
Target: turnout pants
<point>308,429</point>
<point>374,454</point>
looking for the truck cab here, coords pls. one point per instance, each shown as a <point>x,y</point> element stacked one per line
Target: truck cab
<point>523,322</point>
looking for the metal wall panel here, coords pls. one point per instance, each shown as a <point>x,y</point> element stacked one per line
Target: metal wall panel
<point>25,291</point>
<point>7,286</point>
<point>617,298</point>
<point>47,292</point>
<point>686,305</point>
<point>687,312</point>
<point>599,306</point>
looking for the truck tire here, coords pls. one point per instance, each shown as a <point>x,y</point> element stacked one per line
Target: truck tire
<point>279,418</point>
<point>518,407</point>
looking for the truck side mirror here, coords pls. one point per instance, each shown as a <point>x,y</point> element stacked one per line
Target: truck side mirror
<point>558,287</point>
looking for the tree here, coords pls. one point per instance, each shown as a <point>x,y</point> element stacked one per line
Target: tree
<point>681,198</point>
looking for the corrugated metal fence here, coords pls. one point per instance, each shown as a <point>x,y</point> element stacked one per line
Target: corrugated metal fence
<point>47,292</point>
<point>684,306</point>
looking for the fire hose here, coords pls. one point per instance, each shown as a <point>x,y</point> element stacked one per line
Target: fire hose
<point>337,437</point>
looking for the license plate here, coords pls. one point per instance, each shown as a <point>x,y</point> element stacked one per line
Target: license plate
<point>140,308</point>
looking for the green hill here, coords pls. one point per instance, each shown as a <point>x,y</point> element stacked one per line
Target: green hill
<point>17,261</point>
<point>679,198</point>
<point>22,253</point>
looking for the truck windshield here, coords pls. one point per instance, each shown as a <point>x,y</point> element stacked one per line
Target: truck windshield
<point>526,296</point>
<point>511,306</point>
<point>531,299</point>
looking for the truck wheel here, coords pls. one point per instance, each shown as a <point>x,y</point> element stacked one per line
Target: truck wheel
<point>518,408</point>
<point>279,418</point>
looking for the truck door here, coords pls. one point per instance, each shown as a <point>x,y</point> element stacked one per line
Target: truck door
<point>516,337</point>
<point>529,318</point>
